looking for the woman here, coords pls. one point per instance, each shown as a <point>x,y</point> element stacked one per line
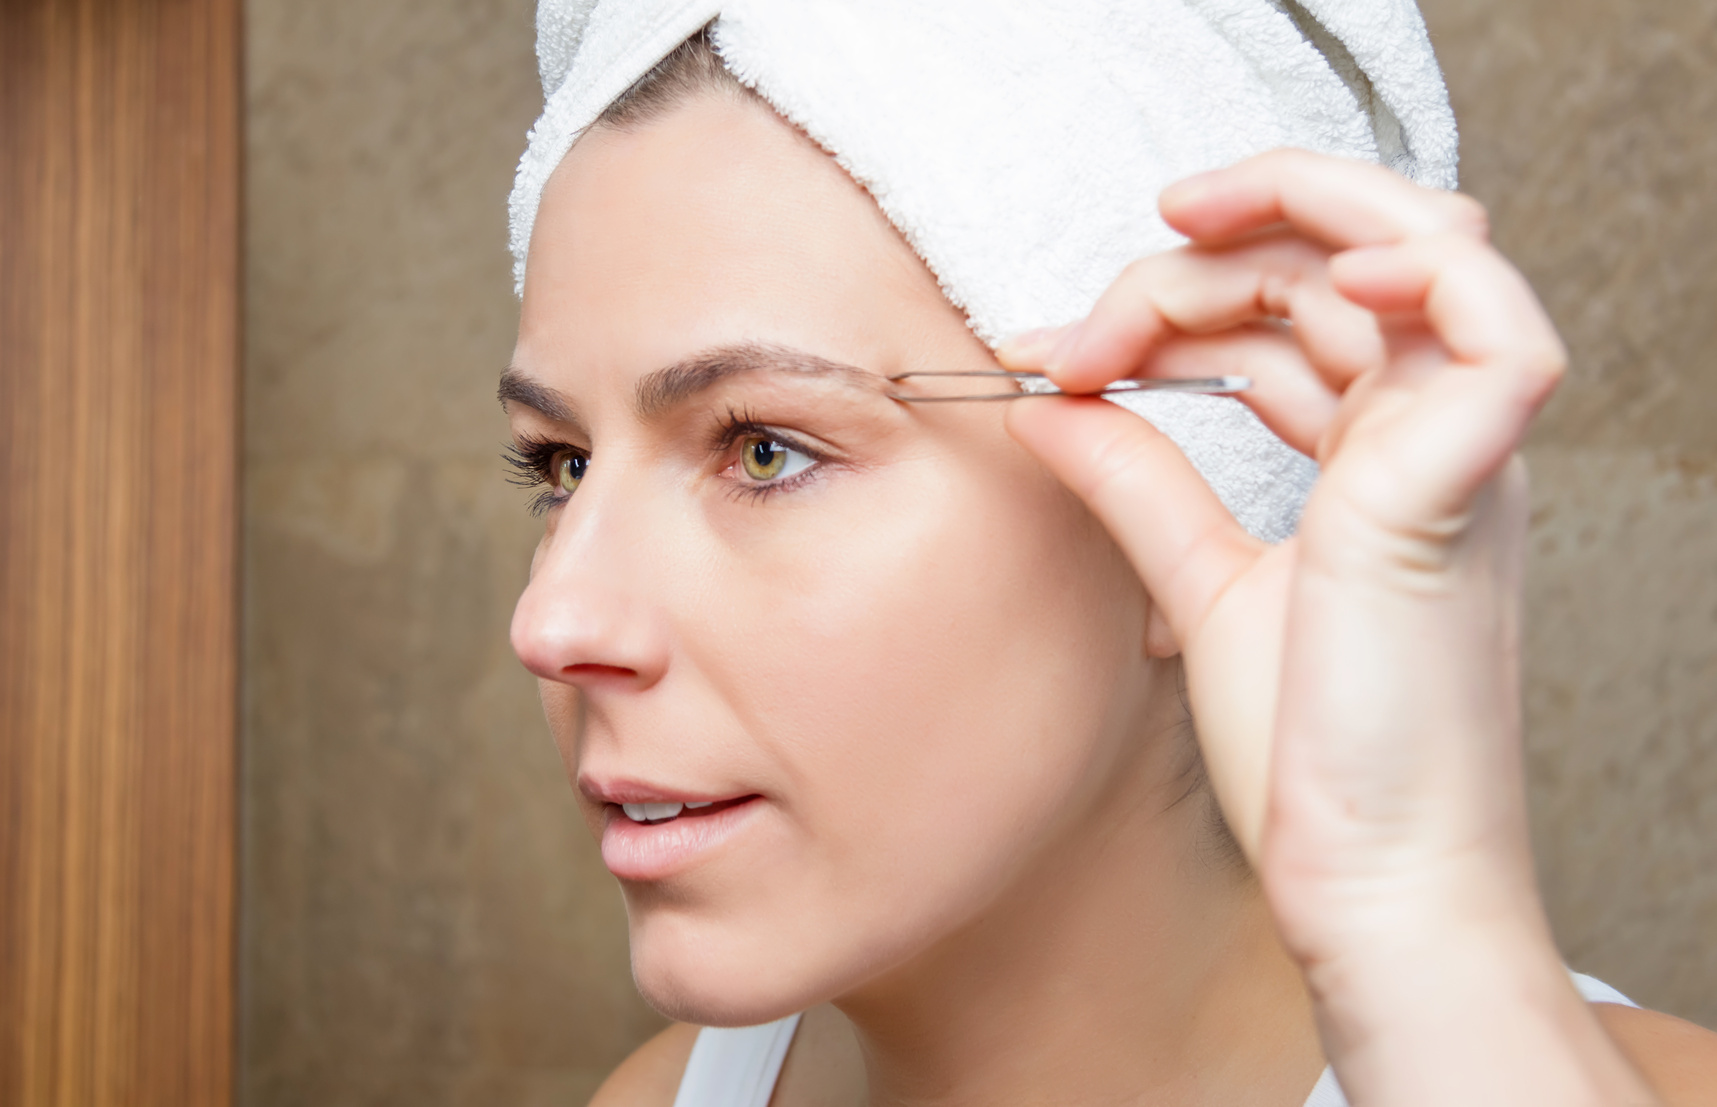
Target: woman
<point>983,734</point>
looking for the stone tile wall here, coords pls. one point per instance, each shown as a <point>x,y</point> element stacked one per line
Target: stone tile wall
<point>425,920</point>
<point>1587,129</point>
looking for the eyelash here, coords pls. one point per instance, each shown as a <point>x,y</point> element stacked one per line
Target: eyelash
<point>529,459</point>
<point>740,424</point>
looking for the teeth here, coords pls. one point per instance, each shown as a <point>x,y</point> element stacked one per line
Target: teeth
<point>660,812</point>
<point>651,812</point>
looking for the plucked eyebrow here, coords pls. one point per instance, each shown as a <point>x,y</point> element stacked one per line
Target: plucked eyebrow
<point>679,382</point>
<point>664,388</point>
<point>689,376</point>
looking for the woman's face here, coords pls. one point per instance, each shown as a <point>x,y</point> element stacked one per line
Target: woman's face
<point>895,664</point>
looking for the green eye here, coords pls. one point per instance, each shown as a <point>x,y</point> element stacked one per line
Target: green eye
<point>566,469</point>
<point>762,458</point>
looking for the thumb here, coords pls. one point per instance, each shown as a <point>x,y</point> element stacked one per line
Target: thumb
<point>1191,554</point>
<point>1181,541</point>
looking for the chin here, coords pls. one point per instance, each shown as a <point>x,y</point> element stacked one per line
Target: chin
<point>739,973</point>
<point>714,984</point>
<point>696,1001</point>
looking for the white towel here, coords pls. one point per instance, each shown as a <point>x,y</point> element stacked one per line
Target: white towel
<point>1019,145</point>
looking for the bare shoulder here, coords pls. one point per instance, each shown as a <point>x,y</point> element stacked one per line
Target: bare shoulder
<point>1678,1058</point>
<point>650,1077</point>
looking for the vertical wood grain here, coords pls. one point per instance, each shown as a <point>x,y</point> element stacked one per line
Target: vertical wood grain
<point>119,205</point>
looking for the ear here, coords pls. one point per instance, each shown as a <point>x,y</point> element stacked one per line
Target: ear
<point>1159,639</point>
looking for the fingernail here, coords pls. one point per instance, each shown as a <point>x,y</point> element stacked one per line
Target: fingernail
<point>1028,348</point>
<point>1065,347</point>
<point>1188,189</point>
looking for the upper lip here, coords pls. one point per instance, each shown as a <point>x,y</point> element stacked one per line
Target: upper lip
<point>637,791</point>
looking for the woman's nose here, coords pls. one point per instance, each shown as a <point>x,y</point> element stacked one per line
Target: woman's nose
<point>585,618</point>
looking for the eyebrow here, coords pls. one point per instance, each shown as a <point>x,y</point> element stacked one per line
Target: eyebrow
<point>664,388</point>
<point>519,388</point>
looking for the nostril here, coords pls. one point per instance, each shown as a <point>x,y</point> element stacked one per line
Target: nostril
<point>599,672</point>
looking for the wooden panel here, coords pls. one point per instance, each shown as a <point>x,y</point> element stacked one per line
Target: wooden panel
<point>119,207</point>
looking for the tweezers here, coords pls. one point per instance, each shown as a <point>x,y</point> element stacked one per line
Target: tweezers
<point>1209,386</point>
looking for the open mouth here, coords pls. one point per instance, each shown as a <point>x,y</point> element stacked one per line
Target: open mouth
<point>668,812</point>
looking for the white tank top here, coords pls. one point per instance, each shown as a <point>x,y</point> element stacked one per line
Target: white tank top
<point>738,1067</point>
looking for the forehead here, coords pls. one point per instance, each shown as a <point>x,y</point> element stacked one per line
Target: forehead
<point>713,224</point>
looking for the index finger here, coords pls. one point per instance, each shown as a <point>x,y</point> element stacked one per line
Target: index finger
<point>1338,202</point>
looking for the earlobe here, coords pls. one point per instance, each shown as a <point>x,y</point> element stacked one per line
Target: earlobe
<point>1159,638</point>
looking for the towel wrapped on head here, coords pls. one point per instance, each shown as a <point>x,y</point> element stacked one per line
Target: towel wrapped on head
<point>1019,145</point>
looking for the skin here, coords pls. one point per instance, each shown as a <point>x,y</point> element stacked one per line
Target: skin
<point>959,723</point>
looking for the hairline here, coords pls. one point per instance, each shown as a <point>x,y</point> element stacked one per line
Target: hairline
<point>692,68</point>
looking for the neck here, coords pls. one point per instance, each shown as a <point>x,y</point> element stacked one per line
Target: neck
<point>1131,962</point>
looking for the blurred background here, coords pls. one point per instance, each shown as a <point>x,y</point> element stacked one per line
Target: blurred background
<point>423,918</point>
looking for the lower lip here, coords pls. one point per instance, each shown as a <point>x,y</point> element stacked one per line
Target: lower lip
<point>656,851</point>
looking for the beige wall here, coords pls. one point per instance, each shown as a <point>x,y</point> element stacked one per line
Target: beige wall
<point>1588,129</point>
<point>426,922</point>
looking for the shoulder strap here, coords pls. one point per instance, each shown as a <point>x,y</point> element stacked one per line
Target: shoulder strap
<point>736,1067</point>
<point>1596,991</point>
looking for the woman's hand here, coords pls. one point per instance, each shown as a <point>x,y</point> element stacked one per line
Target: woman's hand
<point>1356,687</point>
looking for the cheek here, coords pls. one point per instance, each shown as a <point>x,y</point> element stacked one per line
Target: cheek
<point>937,685</point>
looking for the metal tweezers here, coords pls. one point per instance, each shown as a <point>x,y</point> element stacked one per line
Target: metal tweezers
<point>1210,386</point>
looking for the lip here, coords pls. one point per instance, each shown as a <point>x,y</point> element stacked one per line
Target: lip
<point>658,851</point>
<point>637,791</point>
